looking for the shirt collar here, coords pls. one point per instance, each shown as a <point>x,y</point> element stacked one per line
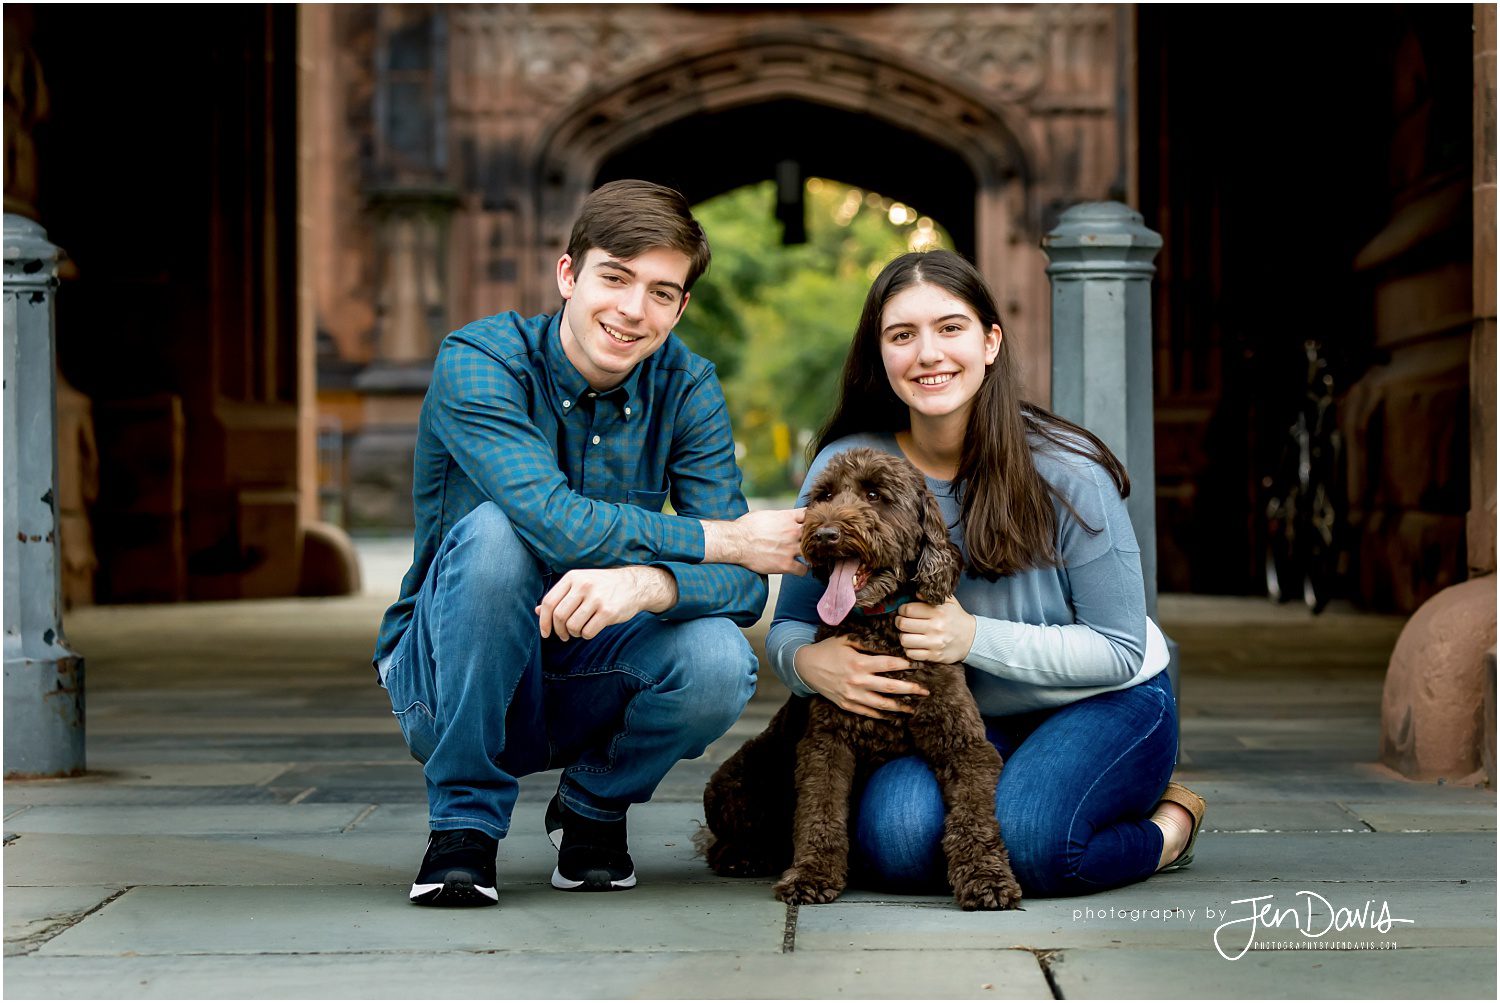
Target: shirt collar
<point>570,382</point>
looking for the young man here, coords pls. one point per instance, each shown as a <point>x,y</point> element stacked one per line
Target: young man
<point>553,615</point>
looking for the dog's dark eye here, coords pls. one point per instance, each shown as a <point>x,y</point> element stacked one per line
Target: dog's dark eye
<point>874,496</point>
<point>824,496</point>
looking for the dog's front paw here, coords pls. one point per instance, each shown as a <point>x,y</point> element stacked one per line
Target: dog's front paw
<point>805,887</point>
<point>990,885</point>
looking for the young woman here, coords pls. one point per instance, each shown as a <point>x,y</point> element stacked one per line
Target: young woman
<point>1049,618</point>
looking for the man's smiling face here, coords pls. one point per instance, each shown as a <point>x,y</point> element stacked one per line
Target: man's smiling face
<point>619,310</point>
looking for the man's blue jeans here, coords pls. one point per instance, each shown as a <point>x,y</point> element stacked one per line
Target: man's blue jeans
<point>483,700</point>
<point>1075,794</point>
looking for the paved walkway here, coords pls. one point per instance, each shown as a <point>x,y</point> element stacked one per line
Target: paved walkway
<point>251,821</point>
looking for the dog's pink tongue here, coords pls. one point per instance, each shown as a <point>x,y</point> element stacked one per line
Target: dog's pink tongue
<point>838,599</point>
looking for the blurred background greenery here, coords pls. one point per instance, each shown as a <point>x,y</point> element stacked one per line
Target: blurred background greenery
<point>776,319</point>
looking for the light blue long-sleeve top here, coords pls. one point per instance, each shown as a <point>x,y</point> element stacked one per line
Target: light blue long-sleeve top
<point>1046,636</point>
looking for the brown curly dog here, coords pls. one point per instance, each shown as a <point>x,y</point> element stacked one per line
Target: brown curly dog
<point>875,534</point>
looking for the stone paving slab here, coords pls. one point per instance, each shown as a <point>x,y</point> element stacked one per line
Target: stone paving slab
<point>384,846</point>
<point>125,820</point>
<point>648,975</point>
<point>150,720</point>
<point>1416,973</point>
<point>387,861</point>
<point>1357,743</point>
<point>133,751</point>
<point>1363,785</point>
<point>1161,912</point>
<point>146,795</point>
<point>1426,818</point>
<point>381,783</point>
<point>163,774</point>
<point>361,918</point>
<point>1281,816</point>
<point>31,913</point>
<point>1360,856</point>
<point>1279,762</point>
<point>1292,728</point>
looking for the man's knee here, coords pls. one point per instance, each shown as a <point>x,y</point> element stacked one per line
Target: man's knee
<point>714,670</point>
<point>486,549</point>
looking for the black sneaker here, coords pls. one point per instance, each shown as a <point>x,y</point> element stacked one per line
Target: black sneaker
<point>458,870</point>
<point>555,821</point>
<point>592,855</point>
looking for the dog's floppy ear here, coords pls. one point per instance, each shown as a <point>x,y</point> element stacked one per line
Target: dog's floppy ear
<point>939,563</point>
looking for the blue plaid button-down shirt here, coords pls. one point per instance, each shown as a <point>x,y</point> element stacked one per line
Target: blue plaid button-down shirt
<point>581,476</point>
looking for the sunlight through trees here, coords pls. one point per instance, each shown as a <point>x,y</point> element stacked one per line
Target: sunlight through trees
<point>777,319</point>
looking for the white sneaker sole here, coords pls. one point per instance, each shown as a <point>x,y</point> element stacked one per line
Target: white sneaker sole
<point>425,893</point>
<point>567,884</point>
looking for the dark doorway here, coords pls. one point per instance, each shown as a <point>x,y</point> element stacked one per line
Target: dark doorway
<point>709,154</point>
<point>168,166</point>
<point>1276,164</point>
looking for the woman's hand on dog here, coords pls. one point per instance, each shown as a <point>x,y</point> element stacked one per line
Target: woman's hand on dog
<point>942,634</point>
<point>853,680</point>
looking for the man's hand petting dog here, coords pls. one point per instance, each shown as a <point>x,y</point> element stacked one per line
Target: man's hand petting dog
<point>943,634</point>
<point>584,602</point>
<point>768,542</point>
<point>853,679</point>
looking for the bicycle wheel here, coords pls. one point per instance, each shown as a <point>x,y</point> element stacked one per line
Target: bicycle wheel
<point>1321,579</point>
<point>1281,574</point>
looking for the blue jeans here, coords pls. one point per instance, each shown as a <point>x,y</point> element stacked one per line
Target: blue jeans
<point>483,699</point>
<point>1075,794</point>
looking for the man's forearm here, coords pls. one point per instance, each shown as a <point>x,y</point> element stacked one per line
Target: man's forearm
<point>658,589</point>
<point>723,542</point>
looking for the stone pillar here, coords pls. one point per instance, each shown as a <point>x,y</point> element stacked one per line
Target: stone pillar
<point>1437,714</point>
<point>1101,346</point>
<point>43,676</point>
<point>1101,273</point>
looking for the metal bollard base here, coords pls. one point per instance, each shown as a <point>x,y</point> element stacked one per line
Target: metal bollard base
<point>43,717</point>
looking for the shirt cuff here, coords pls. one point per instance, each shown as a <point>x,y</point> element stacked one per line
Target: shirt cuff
<point>791,638</point>
<point>715,590</point>
<point>994,640</point>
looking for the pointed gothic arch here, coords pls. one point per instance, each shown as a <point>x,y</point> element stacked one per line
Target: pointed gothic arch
<point>822,77</point>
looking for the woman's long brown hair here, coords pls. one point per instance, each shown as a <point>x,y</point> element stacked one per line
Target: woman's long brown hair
<point>1009,523</point>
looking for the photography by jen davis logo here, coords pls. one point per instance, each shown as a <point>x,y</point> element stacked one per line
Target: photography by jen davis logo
<point>1312,919</point>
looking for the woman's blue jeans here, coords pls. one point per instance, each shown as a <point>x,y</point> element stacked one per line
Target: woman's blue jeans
<point>1077,788</point>
<point>483,699</point>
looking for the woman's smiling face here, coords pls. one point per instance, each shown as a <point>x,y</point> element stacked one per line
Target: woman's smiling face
<point>935,350</point>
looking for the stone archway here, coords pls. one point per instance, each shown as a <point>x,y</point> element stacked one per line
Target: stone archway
<point>828,77</point>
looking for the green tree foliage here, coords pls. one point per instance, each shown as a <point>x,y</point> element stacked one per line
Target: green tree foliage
<point>777,320</point>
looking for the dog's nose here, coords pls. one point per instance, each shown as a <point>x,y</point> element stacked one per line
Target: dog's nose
<point>826,535</point>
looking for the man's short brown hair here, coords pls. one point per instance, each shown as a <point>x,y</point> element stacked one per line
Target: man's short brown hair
<point>627,218</point>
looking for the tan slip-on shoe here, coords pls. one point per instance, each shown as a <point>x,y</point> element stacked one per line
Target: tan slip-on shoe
<point>1196,807</point>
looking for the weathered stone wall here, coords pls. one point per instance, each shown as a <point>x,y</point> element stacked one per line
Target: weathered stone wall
<point>176,315</point>
<point>1481,524</point>
<point>1438,708</point>
<point>1406,420</point>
